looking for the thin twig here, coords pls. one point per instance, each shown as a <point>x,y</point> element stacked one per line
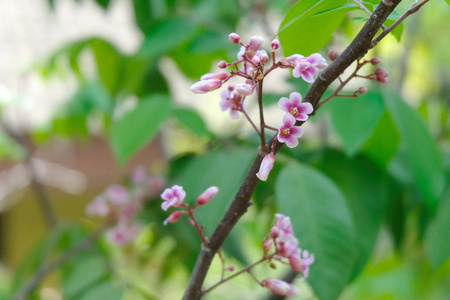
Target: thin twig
<point>410,11</point>
<point>40,275</point>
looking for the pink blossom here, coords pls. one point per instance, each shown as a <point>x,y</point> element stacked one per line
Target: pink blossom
<point>117,194</point>
<point>220,75</point>
<point>293,105</point>
<point>266,166</point>
<point>301,264</point>
<point>233,101</point>
<point>275,44</point>
<point>267,245</point>
<point>122,233</point>
<point>291,60</point>
<point>253,45</point>
<point>172,218</point>
<point>98,207</point>
<point>280,287</point>
<point>173,197</point>
<point>205,86</point>
<point>307,67</point>
<point>207,195</point>
<point>288,133</point>
<point>245,89</point>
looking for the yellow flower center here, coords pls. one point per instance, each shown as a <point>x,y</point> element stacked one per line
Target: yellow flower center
<point>294,111</point>
<point>286,132</point>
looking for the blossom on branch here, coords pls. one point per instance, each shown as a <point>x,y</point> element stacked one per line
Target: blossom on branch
<point>266,166</point>
<point>173,197</point>
<point>289,133</point>
<point>295,107</point>
<point>280,287</point>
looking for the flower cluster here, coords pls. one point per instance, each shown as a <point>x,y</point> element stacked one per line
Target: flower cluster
<point>175,197</point>
<point>121,205</point>
<point>281,239</point>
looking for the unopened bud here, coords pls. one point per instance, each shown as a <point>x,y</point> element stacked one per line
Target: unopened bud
<point>220,75</point>
<point>362,90</point>
<point>264,57</point>
<point>206,86</point>
<point>280,287</point>
<point>234,38</point>
<point>275,44</point>
<point>332,55</point>
<point>172,218</point>
<point>231,87</point>
<point>267,245</point>
<point>382,80</point>
<point>245,89</point>
<point>381,73</point>
<point>207,195</point>
<point>253,46</point>
<point>266,166</point>
<point>274,232</point>
<point>222,64</point>
<point>375,61</point>
<point>231,268</point>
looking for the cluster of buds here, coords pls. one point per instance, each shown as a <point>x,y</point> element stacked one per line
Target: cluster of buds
<point>121,205</point>
<point>175,197</point>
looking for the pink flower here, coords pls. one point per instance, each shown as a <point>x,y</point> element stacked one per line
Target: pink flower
<point>266,166</point>
<point>280,287</point>
<point>220,75</point>
<point>300,264</point>
<point>207,195</point>
<point>245,89</point>
<point>307,67</point>
<point>288,133</point>
<point>122,233</point>
<point>117,194</point>
<point>293,105</point>
<point>173,197</point>
<point>205,86</point>
<point>253,45</point>
<point>233,101</point>
<point>98,207</point>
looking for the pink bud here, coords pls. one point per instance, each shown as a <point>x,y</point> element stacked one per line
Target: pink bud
<point>245,89</point>
<point>223,64</point>
<point>253,46</point>
<point>266,166</point>
<point>231,87</point>
<point>280,287</point>
<point>234,38</point>
<point>362,90</point>
<point>274,232</point>
<point>231,268</point>
<point>382,80</point>
<point>172,218</point>
<point>267,245</point>
<point>264,57</point>
<point>381,73</point>
<point>207,195</point>
<point>332,55</point>
<point>220,75</point>
<point>275,44</point>
<point>375,61</point>
<point>206,86</point>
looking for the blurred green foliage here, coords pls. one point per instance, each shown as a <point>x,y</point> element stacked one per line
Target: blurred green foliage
<point>381,180</point>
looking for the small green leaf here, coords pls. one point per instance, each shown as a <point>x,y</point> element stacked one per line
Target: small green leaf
<point>137,128</point>
<point>109,64</point>
<point>191,120</point>
<point>310,24</point>
<point>322,223</point>
<point>422,151</point>
<point>355,119</point>
<point>437,246</point>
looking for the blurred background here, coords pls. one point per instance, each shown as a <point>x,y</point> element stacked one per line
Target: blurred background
<point>91,90</point>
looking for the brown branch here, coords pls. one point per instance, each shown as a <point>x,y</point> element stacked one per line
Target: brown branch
<point>40,275</point>
<point>357,49</point>
<point>364,8</point>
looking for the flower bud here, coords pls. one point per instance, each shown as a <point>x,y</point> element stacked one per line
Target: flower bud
<point>231,268</point>
<point>207,195</point>
<point>266,166</point>
<point>245,89</point>
<point>172,218</point>
<point>382,80</point>
<point>362,90</point>
<point>234,38</point>
<point>381,73</point>
<point>222,64</point>
<point>264,57</point>
<point>206,86</point>
<point>280,287</point>
<point>231,87</point>
<point>220,75</point>
<point>375,61</point>
<point>253,46</point>
<point>275,44</point>
<point>267,245</point>
<point>332,55</point>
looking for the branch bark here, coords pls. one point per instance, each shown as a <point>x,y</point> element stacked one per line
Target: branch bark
<point>357,49</point>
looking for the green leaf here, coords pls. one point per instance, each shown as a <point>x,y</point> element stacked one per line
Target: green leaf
<point>166,37</point>
<point>321,222</point>
<point>137,128</point>
<point>354,120</point>
<point>310,24</point>
<point>383,143</point>
<point>448,2</point>
<point>437,246</point>
<point>104,291</point>
<point>365,189</point>
<point>109,64</point>
<point>192,121</point>
<point>421,149</point>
